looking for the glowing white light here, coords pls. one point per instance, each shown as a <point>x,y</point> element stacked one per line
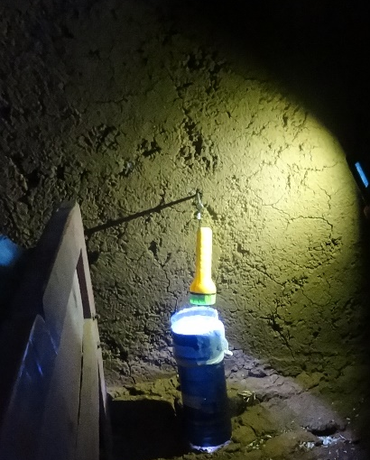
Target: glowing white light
<point>197,325</point>
<point>208,449</point>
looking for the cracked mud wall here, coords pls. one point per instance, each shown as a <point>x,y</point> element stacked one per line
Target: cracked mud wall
<point>114,105</point>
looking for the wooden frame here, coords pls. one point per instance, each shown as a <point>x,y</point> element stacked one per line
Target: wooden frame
<point>52,390</point>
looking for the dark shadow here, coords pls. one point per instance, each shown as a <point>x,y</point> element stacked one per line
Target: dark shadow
<point>314,50</point>
<point>146,429</point>
<point>145,213</point>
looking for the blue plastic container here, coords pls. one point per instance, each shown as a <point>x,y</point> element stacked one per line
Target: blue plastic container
<point>199,347</point>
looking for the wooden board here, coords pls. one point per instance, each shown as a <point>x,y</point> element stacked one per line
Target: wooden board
<point>58,431</point>
<point>52,388</point>
<point>23,413</point>
<point>88,423</point>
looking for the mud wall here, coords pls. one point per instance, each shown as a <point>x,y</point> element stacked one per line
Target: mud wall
<point>124,106</point>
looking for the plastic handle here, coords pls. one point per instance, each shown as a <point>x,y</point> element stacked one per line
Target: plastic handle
<point>202,282</point>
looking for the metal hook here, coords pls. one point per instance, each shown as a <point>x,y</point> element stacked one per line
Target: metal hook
<point>199,204</point>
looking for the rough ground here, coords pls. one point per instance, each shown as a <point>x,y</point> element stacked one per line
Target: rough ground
<point>273,417</point>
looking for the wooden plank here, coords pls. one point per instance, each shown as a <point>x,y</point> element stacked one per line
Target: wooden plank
<point>104,419</point>
<point>58,432</point>
<point>22,416</point>
<point>14,336</point>
<point>28,300</point>
<point>88,423</point>
<point>60,280</point>
<point>48,282</point>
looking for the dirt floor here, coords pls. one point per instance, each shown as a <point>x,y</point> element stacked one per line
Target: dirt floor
<point>273,417</point>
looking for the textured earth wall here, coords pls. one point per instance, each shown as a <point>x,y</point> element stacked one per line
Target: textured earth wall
<point>117,106</point>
